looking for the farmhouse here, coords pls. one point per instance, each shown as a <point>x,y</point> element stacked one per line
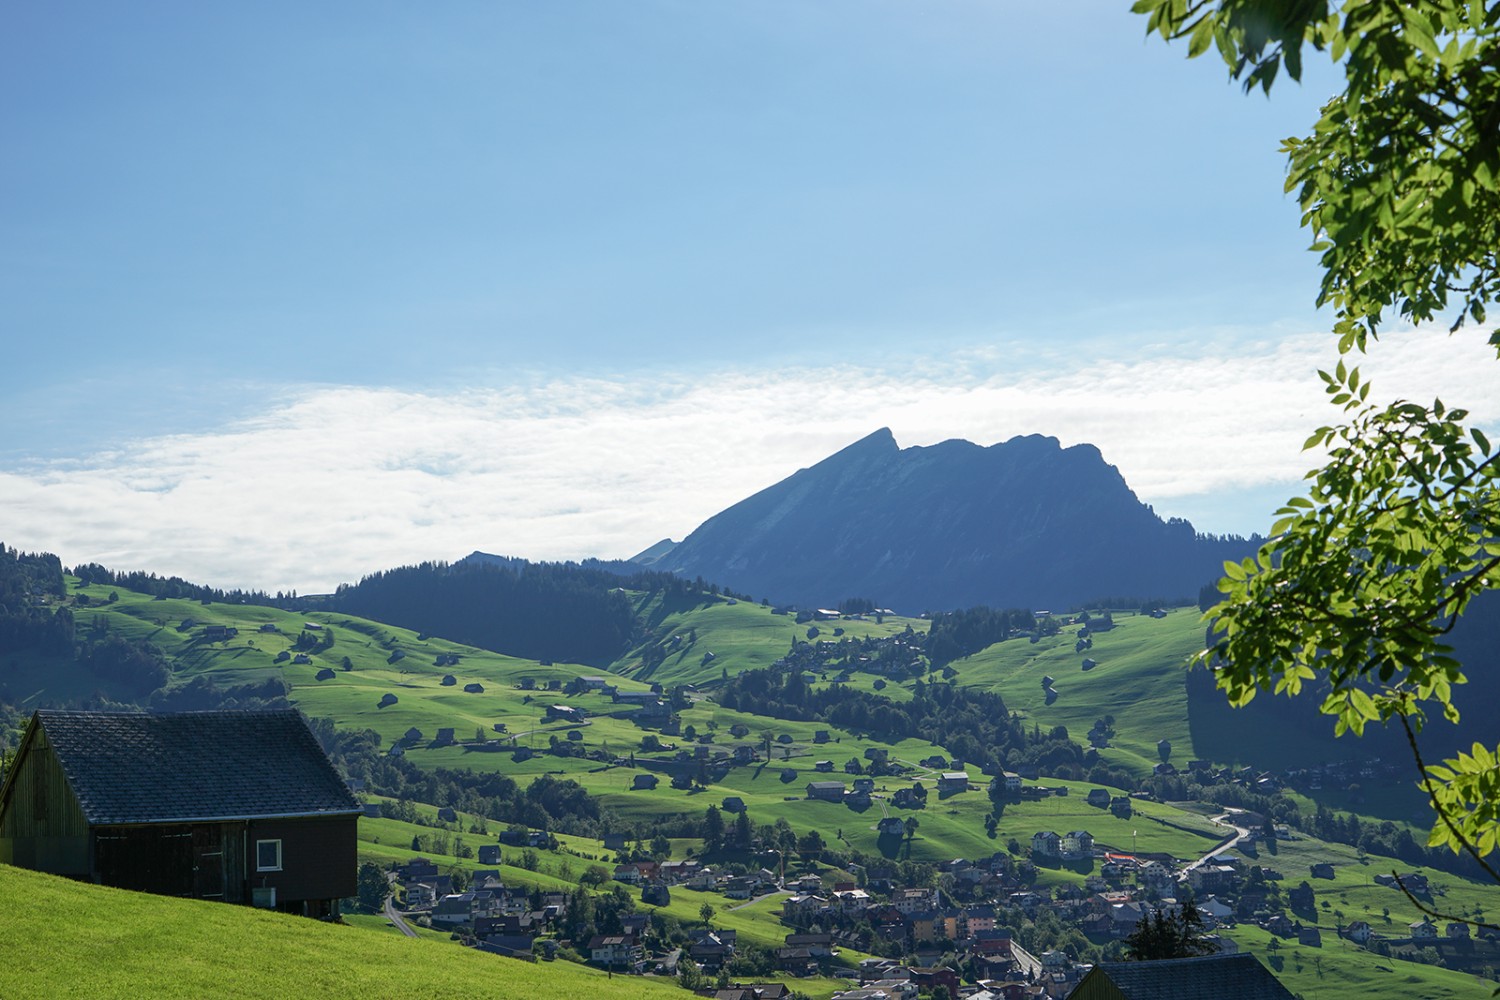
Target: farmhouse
<point>832,791</point>
<point>235,806</point>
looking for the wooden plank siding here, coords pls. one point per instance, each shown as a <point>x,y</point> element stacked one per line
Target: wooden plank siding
<point>41,824</point>
<point>319,857</point>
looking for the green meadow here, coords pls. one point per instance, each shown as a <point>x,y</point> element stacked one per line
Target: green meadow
<point>68,939</point>
<point>1341,970</point>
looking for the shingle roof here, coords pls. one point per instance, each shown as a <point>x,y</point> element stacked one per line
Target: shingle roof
<point>131,767</point>
<point>1240,976</point>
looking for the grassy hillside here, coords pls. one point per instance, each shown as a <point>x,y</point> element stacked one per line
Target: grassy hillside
<point>739,634</point>
<point>1138,679</point>
<point>1341,970</point>
<point>71,939</point>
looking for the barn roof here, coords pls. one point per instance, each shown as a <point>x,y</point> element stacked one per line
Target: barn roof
<point>131,767</point>
<point>1239,975</point>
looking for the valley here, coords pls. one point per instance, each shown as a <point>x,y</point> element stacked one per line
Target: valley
<point>651,752</point>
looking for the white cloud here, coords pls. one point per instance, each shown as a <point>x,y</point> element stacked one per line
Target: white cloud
<point>334,482</point>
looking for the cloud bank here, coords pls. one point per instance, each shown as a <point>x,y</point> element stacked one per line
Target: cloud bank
<point>333,482</point>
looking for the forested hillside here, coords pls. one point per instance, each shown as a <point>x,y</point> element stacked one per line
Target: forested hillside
<point>543,611</point>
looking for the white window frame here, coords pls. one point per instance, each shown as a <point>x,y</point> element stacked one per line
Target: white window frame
<point>267,868</point>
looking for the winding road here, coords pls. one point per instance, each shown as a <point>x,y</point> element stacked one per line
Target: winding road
<point>1240,832</point>
<point>396,918</point>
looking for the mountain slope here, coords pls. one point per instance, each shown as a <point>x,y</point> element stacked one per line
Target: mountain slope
<point>1025,523</point>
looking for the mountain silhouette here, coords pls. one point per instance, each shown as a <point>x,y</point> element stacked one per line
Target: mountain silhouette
<point>1024,523</point>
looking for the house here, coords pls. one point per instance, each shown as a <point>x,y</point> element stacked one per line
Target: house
<point>563,713</point>
<point>1310,936</point>
<point>614,950</point>
<point>1359,932</point>
<point>1322,869</point>
<point>802,907</point>
<point>1423,930</point>
<point>1046,844</point>
<point>453,909</point>
<point>1240,976</point>
<point>828,791</point>
<point>891,826</point>
<point>1098,797</point>
<point>820,736</point>
<point>1077,844</point>
<point>489,854</point>
<point>242,807</point>
<point>909,901</point>
<point>823,765</point>
<point>953,781</point>
<point>645,782</point>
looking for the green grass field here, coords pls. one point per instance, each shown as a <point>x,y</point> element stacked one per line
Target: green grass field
<point>67,939</point>
<point>1341,970</point>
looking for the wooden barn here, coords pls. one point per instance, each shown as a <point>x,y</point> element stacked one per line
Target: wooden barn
<point>242,807</point>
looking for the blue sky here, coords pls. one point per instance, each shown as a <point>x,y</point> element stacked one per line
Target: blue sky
<point>323,249</point>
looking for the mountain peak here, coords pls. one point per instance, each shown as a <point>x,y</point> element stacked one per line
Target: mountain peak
<point>881,442</point>
<point>1023,523</point>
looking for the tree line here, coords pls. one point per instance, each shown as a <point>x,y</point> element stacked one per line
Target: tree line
<point>541,611</point>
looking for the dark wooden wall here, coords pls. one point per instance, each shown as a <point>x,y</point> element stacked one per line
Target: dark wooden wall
<point>319,857</point>
<point>41,824</point>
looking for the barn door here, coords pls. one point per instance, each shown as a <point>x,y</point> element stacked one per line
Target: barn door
<point>208,862</point>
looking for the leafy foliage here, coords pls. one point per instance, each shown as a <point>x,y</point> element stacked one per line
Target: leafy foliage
<point>1399,183</point>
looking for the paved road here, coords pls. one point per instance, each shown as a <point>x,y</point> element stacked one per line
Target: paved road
<point>757,899</point>
<point>1239,832</point>
<point>396,918</point>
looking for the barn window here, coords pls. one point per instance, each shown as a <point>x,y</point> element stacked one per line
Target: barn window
<point>268,855</point>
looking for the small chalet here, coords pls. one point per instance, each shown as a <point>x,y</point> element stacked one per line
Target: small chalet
<point>1423,930</point>
<point>236,806</point>
<point>831,791</point>
<point>953,781</point>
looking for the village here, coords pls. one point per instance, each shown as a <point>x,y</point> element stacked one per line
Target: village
<point>962,931</point>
